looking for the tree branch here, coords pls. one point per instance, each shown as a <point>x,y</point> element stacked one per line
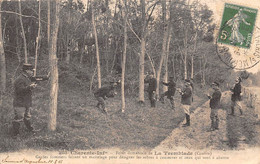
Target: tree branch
<point>27,16</point>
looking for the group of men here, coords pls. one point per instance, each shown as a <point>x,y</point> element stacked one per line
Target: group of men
<point>26,82</point>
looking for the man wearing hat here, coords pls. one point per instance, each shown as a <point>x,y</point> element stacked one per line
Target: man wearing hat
<point>103,93</point>
<point>151,89</point>
<point>236,96</point>
<point>186,100</point>
<point>214,105</point>
<point>171,91</point>
<point>22,101</point>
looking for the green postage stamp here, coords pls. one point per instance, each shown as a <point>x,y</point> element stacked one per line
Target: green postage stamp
<point>237,25</point>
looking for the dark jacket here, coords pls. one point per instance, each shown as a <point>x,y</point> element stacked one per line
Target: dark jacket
<point>22,92</point>
<point>186,96</point>
<point>215,99</point>
<point>236,92</point>
<point>152,84</point>
<point>171,87</point>
<point>108,91</point>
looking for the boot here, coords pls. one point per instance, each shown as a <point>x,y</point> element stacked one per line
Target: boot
<point>241,112</point>
<point>216,124</point>
<point>16,127</point>
<point>28,124</point>
<point>232,111</point>
<point>212,127</point>
<point>104,110</point>
<point>153,101</point>
<point>187,121</point>
<point>162,99</point>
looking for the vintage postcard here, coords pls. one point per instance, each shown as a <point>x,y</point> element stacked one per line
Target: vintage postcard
<point>129,81</point>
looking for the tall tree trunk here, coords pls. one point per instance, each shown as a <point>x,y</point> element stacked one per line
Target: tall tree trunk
<point>53,61</point>
<point>96,45</point>
<point>82,50</point>
<point>18,48</point>
<point>124,58</point>
<point>192,57</point>
<point>165,78</point>
<point>38,39</point>
<point>23,34</point>
<point>185,53</point>
<point>106,36</point>
<point>2,60</point>
<point>204,71</point>
<point>141,57</point>
<point>49,23</point>
<point>164,44</point>
<point>173,67</point>
<point>69,42</point>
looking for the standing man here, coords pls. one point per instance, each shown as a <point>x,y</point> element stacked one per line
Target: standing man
<point>103,93</point>
<point>214,106</point>
<point>186,99</point>
<point>22,101</point>
<point>236,96</point>
<point>151,89</point>
<point>171,91</point>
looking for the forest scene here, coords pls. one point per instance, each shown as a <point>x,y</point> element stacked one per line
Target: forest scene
<point>86,45</point>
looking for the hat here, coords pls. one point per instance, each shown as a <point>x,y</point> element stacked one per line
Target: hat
<point>239,79</point>
<point>215,83</point>
<point>27,66</point>
<point>187,80</point>
<point>113,83</point>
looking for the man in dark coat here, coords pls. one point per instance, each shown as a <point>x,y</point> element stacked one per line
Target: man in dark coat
<point>103,93</point>
<point>186,100</point>
<point>22,101</point>
<point>171,91</point>
<point>214,106</point>
<point>236,96</point>
<point>151,89</point>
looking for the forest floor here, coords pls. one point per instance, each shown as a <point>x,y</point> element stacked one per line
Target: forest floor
<point>80,125</point>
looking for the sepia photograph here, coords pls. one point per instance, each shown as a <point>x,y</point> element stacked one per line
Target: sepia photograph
<point>129,81</point>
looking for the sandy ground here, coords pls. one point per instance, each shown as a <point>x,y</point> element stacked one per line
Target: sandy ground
<point>235,132</point>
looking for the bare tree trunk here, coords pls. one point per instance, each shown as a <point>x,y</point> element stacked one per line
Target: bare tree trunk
<point>185,54</point>
<point>23,34</point>
<point>2,59</point>
<point>107,37</point>
<point>18,48</point>
<point>173,67</point>
<point>69,42</point>
<point>204,70</point>
<point>164,44</point>
<point>97,49</point>
<point>38,39</point>
<point>141,71</point>
<point>165,78</point>
<point>192,57</point>
<point>141,57</point>
<point>53,61</point>
<point>82,51</point>
<point>124,58</point>
<point>49,24</point>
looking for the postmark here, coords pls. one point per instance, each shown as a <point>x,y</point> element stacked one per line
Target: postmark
<point>238,40</point>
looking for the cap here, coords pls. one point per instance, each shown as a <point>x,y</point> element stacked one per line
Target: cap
<point>27,66</point>
<point>239,79</point>
<point>113,83</point>
<point>215,83</point>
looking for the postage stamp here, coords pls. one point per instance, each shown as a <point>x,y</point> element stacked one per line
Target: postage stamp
<point>238,39</point>
<point>237,25</point>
